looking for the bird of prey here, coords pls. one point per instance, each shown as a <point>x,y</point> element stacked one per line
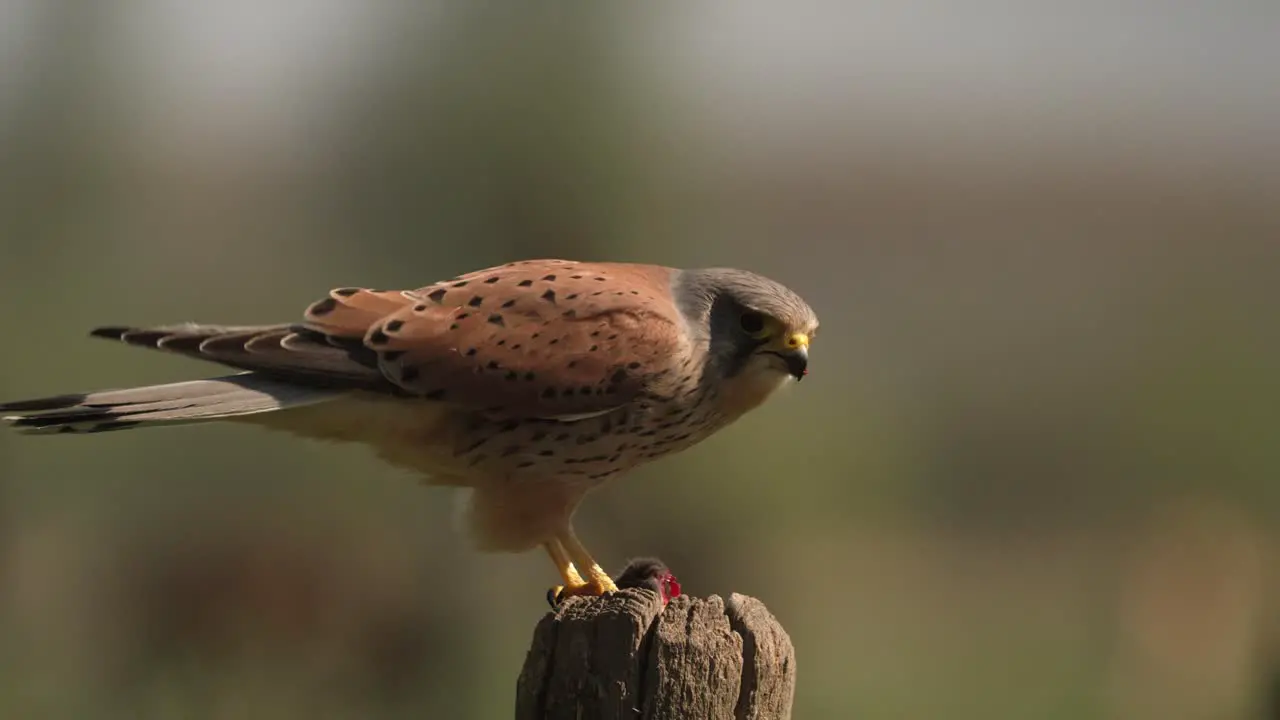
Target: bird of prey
<point>526,385</point>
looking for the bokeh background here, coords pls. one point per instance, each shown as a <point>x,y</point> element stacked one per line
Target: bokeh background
<point>1035,470</point>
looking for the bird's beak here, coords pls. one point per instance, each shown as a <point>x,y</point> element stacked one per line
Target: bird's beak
<point>796,355</point>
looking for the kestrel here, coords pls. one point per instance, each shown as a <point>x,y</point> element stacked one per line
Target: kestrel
<point>526,385</point>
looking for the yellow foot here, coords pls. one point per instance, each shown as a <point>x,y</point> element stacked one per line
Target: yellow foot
<point>598,583</point>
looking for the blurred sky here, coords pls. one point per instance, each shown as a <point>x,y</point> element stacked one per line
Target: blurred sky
<point>1194,78</point>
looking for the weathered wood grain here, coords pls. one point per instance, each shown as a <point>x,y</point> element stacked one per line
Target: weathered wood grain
<point>626,657</point>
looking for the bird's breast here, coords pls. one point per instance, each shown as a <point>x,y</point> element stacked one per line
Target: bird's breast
<point>589,450</point>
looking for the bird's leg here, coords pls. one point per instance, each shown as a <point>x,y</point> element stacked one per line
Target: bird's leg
<point>573,582</point>
<point>597,581</point>
<point>563,563</point>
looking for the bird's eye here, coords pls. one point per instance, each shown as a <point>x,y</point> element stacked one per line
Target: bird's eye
<point>752,323</point>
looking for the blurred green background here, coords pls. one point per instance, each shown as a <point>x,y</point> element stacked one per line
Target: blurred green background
<point>1032,474</point>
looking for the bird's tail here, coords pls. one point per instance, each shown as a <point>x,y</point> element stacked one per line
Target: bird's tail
<point>170,404</point>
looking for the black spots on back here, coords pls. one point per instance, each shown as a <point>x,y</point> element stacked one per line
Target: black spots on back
<point>508,303</point>
<point>492,280</point>
<point>476,301</point>
<point>496,319</point>
<point>549,278</point>
<point>346,292</point>
<point>461,284</point>
<point>524,283</point>
<point>437,295</point>
<point>549,295</point>
<point>571,296</point>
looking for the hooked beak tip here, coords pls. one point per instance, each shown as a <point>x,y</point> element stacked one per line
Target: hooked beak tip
<point>797,362</point>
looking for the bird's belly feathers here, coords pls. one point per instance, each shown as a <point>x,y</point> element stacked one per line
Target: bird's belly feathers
<point>589,450</point>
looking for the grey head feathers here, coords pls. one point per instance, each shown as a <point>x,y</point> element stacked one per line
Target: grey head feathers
<point>713,301</point>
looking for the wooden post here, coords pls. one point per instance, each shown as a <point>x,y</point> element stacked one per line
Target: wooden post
<point>626,657</point>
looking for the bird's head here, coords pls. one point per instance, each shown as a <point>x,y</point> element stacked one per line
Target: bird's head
<point>757,330</point>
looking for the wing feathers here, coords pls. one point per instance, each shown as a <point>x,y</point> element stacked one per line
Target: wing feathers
<point>286,351</point>
<point>547,339</point>
<point>173,403</point>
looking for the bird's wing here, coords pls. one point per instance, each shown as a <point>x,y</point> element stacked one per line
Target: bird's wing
<point>544,338</point>
<point>539,338</point>
<point>291,352</point>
